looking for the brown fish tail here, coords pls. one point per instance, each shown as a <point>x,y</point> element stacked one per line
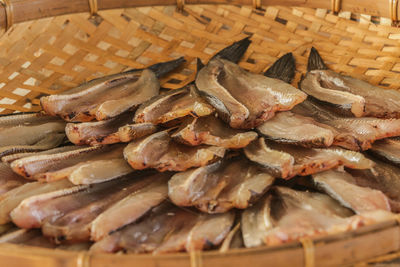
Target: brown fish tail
<point>283,69</point>
<point>315,61</point>
<point>235,51</point>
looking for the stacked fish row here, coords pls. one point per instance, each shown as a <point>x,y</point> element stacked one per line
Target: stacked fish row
<point>233,159</point>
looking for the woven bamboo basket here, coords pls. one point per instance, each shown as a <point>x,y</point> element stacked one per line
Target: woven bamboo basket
<point>51,45</point>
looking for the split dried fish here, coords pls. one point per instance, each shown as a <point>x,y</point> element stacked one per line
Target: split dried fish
<point>109,96</point>
<point>343,187</point>
<point>351,133</point>
<point>387,149</point>
<point>347,94</point>
<point>169,229</point>
<point>286,161</point>
<point>9,180</point>
<point>221,186</point>
<point>290,128</point>
<point>212,131</point>
<point>160,152</point>
<point>245,100</point>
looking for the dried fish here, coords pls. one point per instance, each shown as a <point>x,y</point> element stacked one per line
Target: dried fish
<point>132,207</point>
<point>343,187</point>
<point>387,149</point>
<point>290,128</point>
<point>347,94</point>
<point>160,152</point>
<point>108,96</point>
<point>131,132</point>
<point>221,186</point>
<point>13,198</point>
<point>351,133</point>
<point>212,131</point>
<point>286,161</point>
<point>243,99</point>
<point>81,166</point>
<point>173,105</point>
<point>9,180</point>
<point>96,133</point>
<point>169,229</point>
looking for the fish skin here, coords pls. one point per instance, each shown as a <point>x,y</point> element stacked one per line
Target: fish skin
<point>219,187</point>
<point>347,93</point>
<point>286,127</point>
<point>168,155</point>
<point>343,187</point>
<point>212,131</point>
<point>135,131</point>
<point>9,180</point>
<point>257,101</point>
<point>287,161</point>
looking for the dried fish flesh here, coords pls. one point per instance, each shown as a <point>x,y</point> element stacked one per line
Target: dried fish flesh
<point>96,133</point>
<point>243,99</point>
<point>108,96</point>
<point>169,229</point>
<point>173,105</point>
<point>221,186</point>
<point>343,187</point>
<point>131,207</point>
<point>160,152</point>
<point>348,94</point>
<point>286,161</point>
<point>212,131</point>
<point>351,133</point>
<point>13,198</point>
<point>290,128</point>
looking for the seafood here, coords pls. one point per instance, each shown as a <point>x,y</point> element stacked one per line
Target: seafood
<point>81,166</point>
<point>109,96</point>
<point>168,229</point>
<point>351,133</point>
<point>287,161</point>
<point>291,128</point>
<point>13,198</point>
<point>221,186</point>
<point>100,132</point>
<point>9,180</point>
<point>160,152</point>
<point>212,131</point>
<point>346,94</point>
<point>245,100</point>
<point>343,187</point>
<point>387,149</point>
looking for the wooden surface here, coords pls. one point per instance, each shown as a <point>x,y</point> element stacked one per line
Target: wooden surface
<point>336,250</point>
<point>25,10</point>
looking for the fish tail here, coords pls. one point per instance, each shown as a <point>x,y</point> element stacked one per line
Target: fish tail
<point>235,51</point>
<point>315,61</point>
<point>283,69</point>
<point>199,64</point>
<point>163,68</point>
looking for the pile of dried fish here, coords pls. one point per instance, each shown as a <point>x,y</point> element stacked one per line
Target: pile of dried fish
<point>233,159</point>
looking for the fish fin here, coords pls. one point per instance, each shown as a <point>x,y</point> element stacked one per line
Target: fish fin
<point>199,64</point>
<point>283,69</point>
<point>235,51</point>
<point>315,61</point>
<point>163,68</point>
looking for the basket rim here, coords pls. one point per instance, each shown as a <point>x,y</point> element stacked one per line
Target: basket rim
<point>16,11</point>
